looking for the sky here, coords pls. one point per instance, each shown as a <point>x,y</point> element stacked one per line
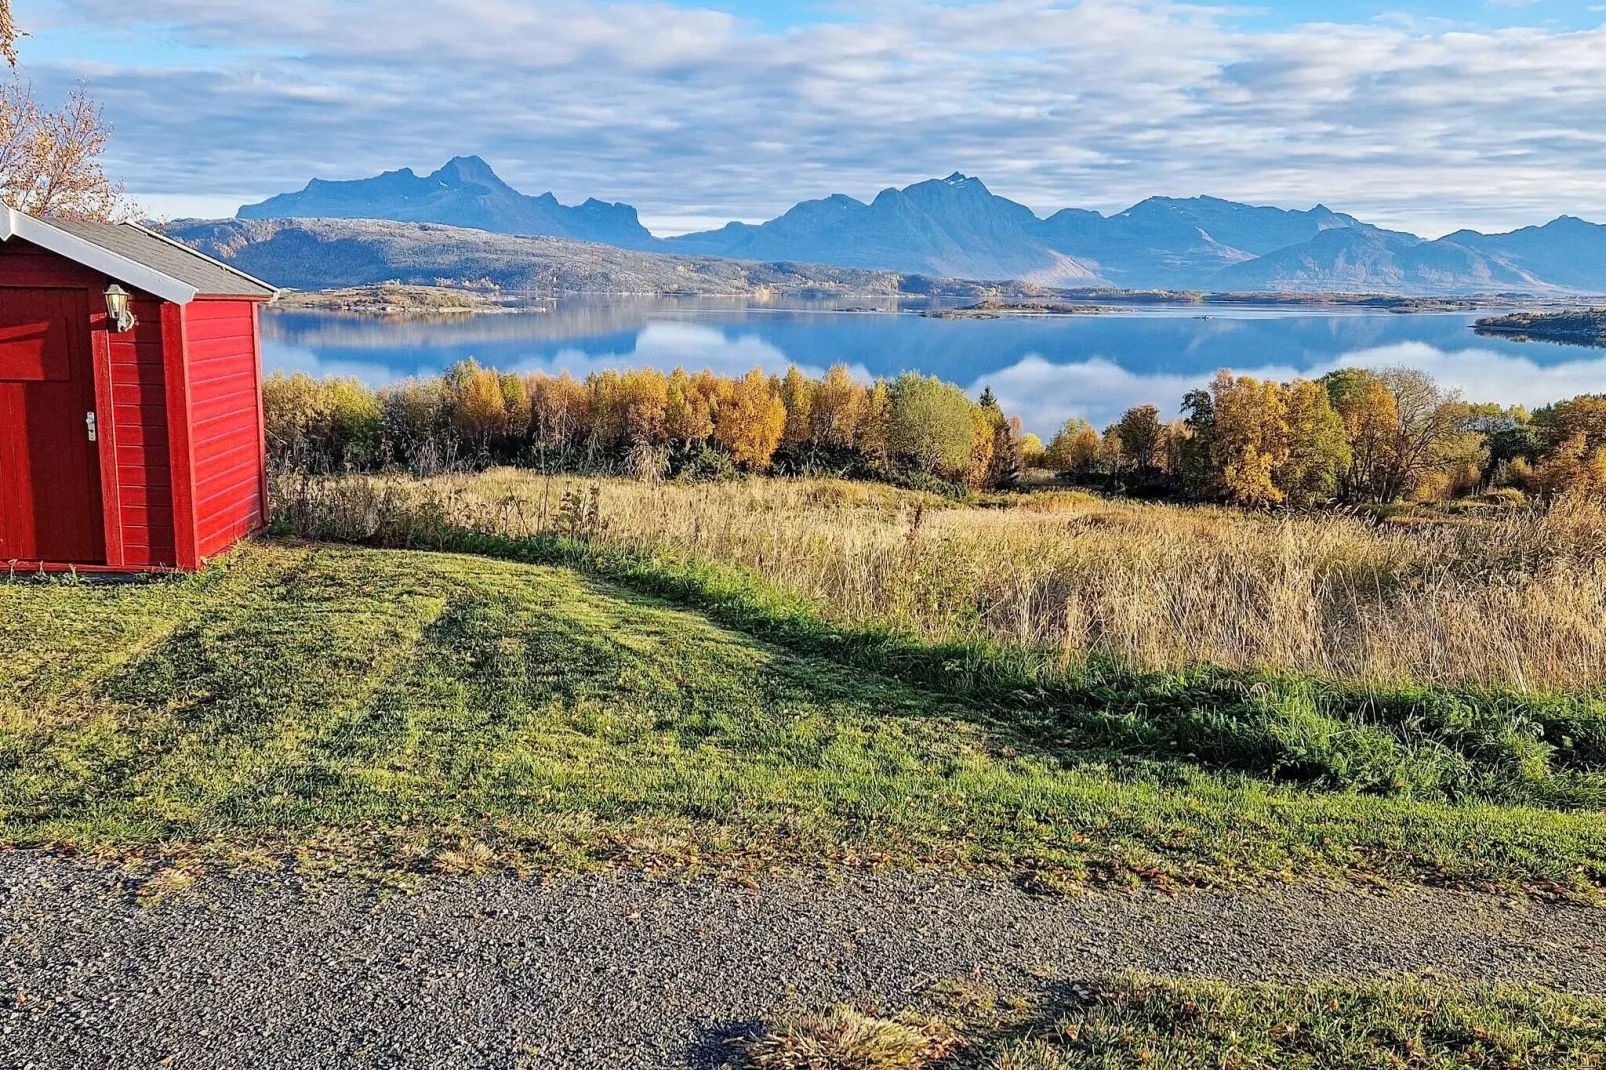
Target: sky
<point>1424,116</point>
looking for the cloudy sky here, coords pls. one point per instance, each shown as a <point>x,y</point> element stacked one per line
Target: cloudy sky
<point>1426,116</point>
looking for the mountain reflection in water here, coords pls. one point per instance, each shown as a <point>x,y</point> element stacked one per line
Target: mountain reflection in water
<point>1047,368</point>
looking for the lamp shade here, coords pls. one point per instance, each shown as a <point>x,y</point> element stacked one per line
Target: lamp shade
<point>117,312</point>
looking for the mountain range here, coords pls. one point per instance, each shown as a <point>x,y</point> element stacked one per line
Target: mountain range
<point>319,254</point>
<point>957,228</point>
<point>464,193</point>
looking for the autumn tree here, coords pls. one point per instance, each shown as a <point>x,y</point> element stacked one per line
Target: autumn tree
<point>874,434</point>
<point>1575,469</point>
<point>558,409</point>
<point>998,456</point>
<point>1318,448</point>
<point>1371,426</point>
<point>983,440</point>
<point>933,425</point>
<point>1108,459</point>
<point>1400,424</point>
<point>8,34</point>
<point>1584,415</point>
<point>1429,422</point>
<point>688,412</point>
<point>645,396</point>
<point>797,394</point>
<point>750,421</point>
<point>606,404</point>
<point>320,424</point>
<point>516,402</point>
<point>1074,448</point>
<point>838,407</point>
<point>415,419</point>
<point>50,161</point>
<point>480,412</point>
<point>1249,441</point>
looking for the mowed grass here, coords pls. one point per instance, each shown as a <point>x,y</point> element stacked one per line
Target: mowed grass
<point>1132,1020</point>
<point>395,711</point>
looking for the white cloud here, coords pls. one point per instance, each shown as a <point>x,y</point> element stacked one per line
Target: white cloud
<point>378,352</point>
<point>694,114</point>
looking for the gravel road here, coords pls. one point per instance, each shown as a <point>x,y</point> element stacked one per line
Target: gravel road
<point>623,972</point>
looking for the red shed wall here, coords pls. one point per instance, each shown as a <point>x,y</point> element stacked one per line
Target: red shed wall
<point>225,434</point>
<point>140,440</point>
<point>131,383</point>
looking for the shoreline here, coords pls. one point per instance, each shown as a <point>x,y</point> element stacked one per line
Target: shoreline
<point>389,301</point>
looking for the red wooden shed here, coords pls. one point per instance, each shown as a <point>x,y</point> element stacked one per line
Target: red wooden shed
<point>127,442</point>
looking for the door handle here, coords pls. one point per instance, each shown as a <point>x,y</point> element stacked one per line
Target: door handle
<point>93,427</point>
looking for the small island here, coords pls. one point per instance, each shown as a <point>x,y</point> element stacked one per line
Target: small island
<point>1586,327</point>
<point>995,309</point>
<point>395,299</point>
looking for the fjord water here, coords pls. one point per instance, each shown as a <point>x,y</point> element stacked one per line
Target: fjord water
<point>1046,368</point>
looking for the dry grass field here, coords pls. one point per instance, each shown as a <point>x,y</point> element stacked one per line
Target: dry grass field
<point>1516,601</point>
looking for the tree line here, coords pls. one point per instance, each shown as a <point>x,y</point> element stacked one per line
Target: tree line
<point>1355,435</point>
<point>912,429</point>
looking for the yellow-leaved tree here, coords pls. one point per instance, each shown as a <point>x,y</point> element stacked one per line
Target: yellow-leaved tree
<point>1074,448</point>
<point>689,413</point>
<point>797,394</point>
<point>750,421</point>
<point>838,408</point>
<point>1318,448</point>
<point>481,410</point>
<point>1250,439</point>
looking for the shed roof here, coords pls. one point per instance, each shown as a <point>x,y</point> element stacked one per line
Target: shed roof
<point>139,257</point>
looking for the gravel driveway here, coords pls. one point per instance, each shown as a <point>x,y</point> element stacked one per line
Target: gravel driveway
<point>611,971</point>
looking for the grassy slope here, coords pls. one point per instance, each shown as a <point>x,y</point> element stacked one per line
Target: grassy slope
<point>389,709</point>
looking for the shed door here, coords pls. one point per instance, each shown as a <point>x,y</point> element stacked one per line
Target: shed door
<point>49,469</point>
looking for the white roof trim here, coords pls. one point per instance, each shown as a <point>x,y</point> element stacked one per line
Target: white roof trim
<point>230,268</point>
<point>15,224</point>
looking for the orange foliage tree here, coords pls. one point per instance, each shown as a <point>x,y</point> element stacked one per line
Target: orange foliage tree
<point>750,421</point>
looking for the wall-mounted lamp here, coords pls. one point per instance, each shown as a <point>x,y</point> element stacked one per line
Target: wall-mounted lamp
<point>122,320</point>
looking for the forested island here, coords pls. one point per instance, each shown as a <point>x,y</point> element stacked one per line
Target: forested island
<point>1584,327</point>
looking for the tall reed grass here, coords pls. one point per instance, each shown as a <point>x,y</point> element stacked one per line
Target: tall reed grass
<point>1511,603</point>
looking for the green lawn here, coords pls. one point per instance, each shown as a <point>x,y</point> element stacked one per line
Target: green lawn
<point>393,710</point>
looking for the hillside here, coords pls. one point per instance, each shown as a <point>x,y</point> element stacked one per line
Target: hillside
<point>1362,260</point>
<point>313,254</point>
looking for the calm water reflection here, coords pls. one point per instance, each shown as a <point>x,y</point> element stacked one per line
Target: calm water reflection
<point>1044,368</point>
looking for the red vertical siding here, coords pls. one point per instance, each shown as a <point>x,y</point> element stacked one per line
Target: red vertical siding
<point>225,422</point>
<point>140,439</point>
